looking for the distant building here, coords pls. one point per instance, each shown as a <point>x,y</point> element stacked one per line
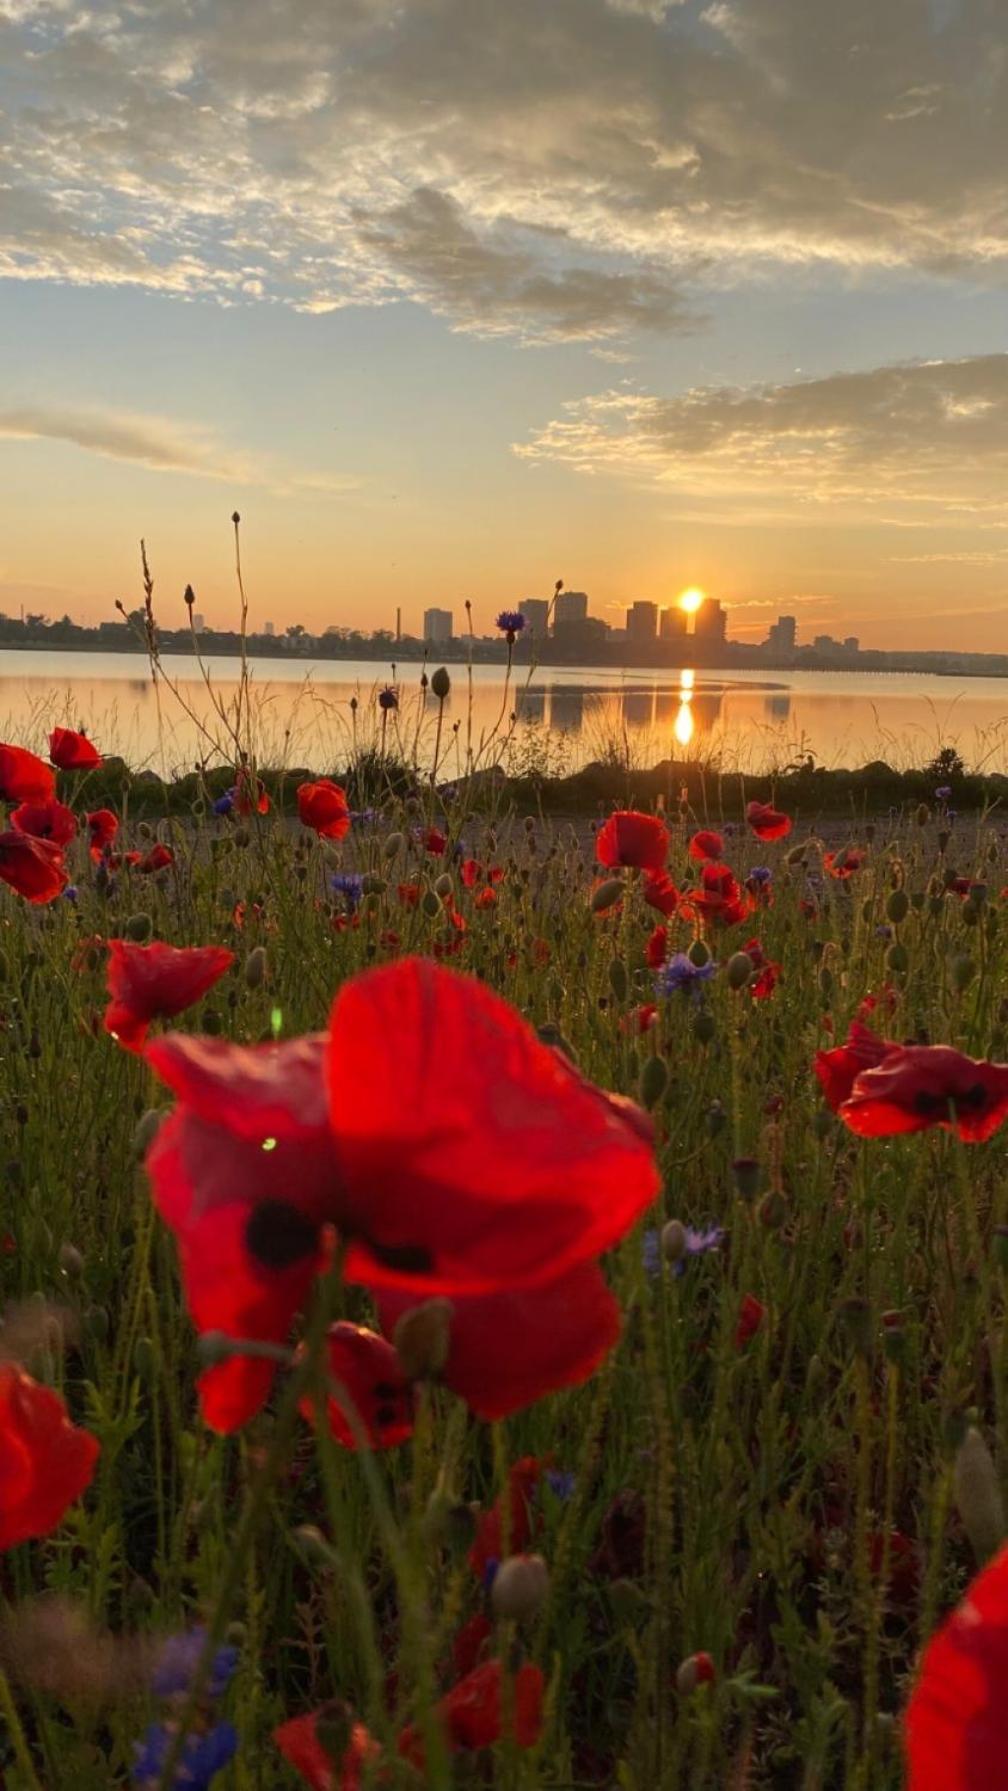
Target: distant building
<point>536,612</point>
<point>782,637</point>
<point>269,628</point>
<point>711,622</point>
<point>642,624</point>
<point>852,644</point>
<point>579,637</point>
<point>199,623</point>
<point>438,627</point>
<point>571,606</point>
<point>673,623</point>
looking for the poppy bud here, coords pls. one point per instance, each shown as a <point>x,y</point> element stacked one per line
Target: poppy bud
<point>422,1338</point>
<point>312,1544</point>
<point>963,971</point>
<point>606,894</point>
<point>630,1605</point>
<point>795,856</point>
<point>897,959</point>
<point>825,980</point>
<point>145,830</point>
<point>978,1495</point>
<point>970,912</point>
<point>922,814</point>
<point>441,683</point>
<point>444,885</point>
<point>978,894</point>
<point>256,967</point>
<point>431,904</point>
<point>372,885</point>
<point>917,900</point>
<point>138,928</point>
<point>739,970</point>
<point>673,1240</point>
<point>618,980</point>
<point>993,852</point>
<point>654,1080</point>
<point>704,1028</point>
<point>855,1321</point>
<point>4,967</point>
<point>520,1587</point>
<point>773,1209</point>
<point>898,906</point>
<point>71,1261</point>
<point>394,843</point>
<point>241,837</point>
<point>699,955</point>
<point>747,1175</point>
<point>696,1669</point>
<point>146,1130</point>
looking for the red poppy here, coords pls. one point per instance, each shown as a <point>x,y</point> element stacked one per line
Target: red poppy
<point>919,1086</point>
<point>367,1368</point>
<point>150,982</point>
<point>157,859</point>
<point>470,1642</point>
<point>434,842</point>
<point>506,1350</point>
<point>46,1462</point>
<point>103,826</point>
<point>33,867</point>
<point>767,822</point>
<point>956,1726</point>
<point>300,1743</point>
<point>641,1019</point>
<point>660,892</point>
<point>503,1171</point>
<point>249,795</point>
<point>511,1512</point>
<point>656,949</point>
<point>768,972</point>
<point>719,899</point>
<point>839,1068</point>
<point>23,777</point>
<point>959,886</point>
<point>487,898</point>
<point>50,820</point>
<point>752,1312</point>
<point>72,751</point>
<point>706,846</point>
<point>473,873</point>
<point>844,864</point>
<point>889,999</point>
<point>472,1712</point>
<point>631,838</point>
<point>409,894</point>
<point>323,807</point>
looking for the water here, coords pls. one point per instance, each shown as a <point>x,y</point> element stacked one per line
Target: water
<point>567,716</point>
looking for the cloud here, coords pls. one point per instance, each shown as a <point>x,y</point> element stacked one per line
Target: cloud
<point>561,171</point>
<point>912,435</point>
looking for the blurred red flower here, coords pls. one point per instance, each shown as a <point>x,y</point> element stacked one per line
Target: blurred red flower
<point>409,895</point>
<point>473,873</point>
<point>50,820</point>
<point>719,899</point>
<point>434,842</point>
<point>33,867</point>
<point>46,1462</point>
<point>472,1712</point>
<point>706,846</point>
<point>23,777</point>
<point>72,751</point>
<point>767,822</point>
<point>157,859</point>
<point>844,864</point>
<point>103,826</point>
<point>641,1019</point>
<point>768,972</point>
<point>249,795</point>
<point>956,1725</point>
<point>630,838</point>
<point>302,1746</point>
<point>660,892</point>
<point>752,1312</point>
<point>367,1368</point>
<point>919,1086</point>
<point>512,1513</point>
<point>323,806</point>
<point>656,949</point>
<point>150,982</point>
<point>486,898</point>
<point>838,1068</point>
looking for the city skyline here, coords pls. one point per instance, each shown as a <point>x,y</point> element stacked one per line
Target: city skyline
<point>453,300</point>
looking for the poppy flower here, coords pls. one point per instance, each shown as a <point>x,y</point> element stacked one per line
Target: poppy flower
<point>50,820</point>
<point>434,842</point>
<point>767,822</point>
<point>323,807</point>
<point>368,1368</point>
<point>919,1086</point>
<point>630,838</point>
<point>473,873</point>
<point>839,1068</point>
<point>660,892</point>
<point>641,1019</point>
<point>719,899</point>
<point>956,1728</point>
<point>656,949</point>
<point>470,1642</point>
<point>506,1350</point>
<point>23,777</point>
<point>150,982</point>
<point>503,1171</point>
<point>103,826</point>
<point>706,846</point>
<point>157,859</point>
<point>248,795</point>
<point>512,1513</point>
<point>307,1751</point>
<point>842,865</point>
<point>409,895</point>
<point>767,971</point>
<point>72,751</point>
<point>46,1462</point>
<point>471,1714</point>
<point>752,1312</point>
<point>33,867</point>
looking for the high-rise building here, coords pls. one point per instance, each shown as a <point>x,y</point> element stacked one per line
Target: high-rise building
<point>536,612</point>
<point>199,623</point>
<point>672,623</point>
<point>852,644</point>
<point>438,627</point>
<point>642,623</point>
<point>782,636</point>
<point>571,606</point>
<point>269,628</point>
<point>711,621</point>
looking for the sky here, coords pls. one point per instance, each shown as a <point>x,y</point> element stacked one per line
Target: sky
<point>453,298</point>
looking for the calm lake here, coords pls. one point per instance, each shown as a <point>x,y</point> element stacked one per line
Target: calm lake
<point>304,713</point>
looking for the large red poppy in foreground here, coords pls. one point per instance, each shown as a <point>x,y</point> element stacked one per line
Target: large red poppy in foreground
<point>23,777</point>
<point>149,982</point>
<point>35,868</point>
<point>323,806</point>
<point>918,1086</point>
<point>839,1068</point>
<point>956,1725</point>
<point>50,820</point>
<point>767,822</point>
<point>630,838</point>
<point>451,1149</point>
<point>72,751</point>
<point>46,1462</point>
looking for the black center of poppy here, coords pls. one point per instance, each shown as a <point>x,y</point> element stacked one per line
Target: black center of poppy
<point>928,1103</point>
<point>279,1236</point>
<point>409,1258</point>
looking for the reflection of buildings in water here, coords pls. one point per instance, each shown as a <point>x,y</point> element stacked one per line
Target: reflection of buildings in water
<point>638,708</point>
<point>531,704</point>
<point>777,706</point>
<point>707,705</point>
<point>567,708</point>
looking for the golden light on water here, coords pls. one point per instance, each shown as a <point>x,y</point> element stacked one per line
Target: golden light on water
<point>684,725</point>
<point>692,600</point>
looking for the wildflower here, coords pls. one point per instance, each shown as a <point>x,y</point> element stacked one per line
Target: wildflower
<point>472,1712</point>
<point>767,822</point>
<point>915,1087</point>
<point>526,1170</point>
<point>511,1513</point>
<point>630,838</point>
<point>179,1657</point>
<point>767,972</point>
<point>839,1068</point>
<point>34,868</point>
<point>508,1349</point>
<point>102,827</point>
<point>660,892</point>
<point>680,974</point>
<point>365,1368</point>
<point>350,885</point>
<point>23,777</point>
<point>750,1319</point>
<point>387,698</point>
<point>719,898</point>
<point>510,622</point>
<point>150,982</point>
<point>640,1020</point>
<point>72,751</point>
<point>224,804</point>
<point>842,865</point>
<point>692,1243</point>
<point>696,1669</point>
<point>305,1743</point>
<point>50,820</point>
<point>248,795</point>
<point>46,1462</point>
<point>486,898</point>
<point>157,859</point>
<point>323,807</point>
<point>409,894</point>
<point>473,872</point>
<point>943,792</point>
<point>956,1725</point>
<point>706,846</point>
<point>656,948</point>
<point>203,1756</point>
<point>434,842</point>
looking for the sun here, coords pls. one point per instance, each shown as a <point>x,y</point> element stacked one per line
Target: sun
<point>692,600</point>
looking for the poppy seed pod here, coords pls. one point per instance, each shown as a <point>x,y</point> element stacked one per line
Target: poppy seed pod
<point>256,967</point>
<point>898,959</point>
<point>138,928</point>
<point>699,955</point>
<point>440,683</point>
<point>898,906</point>
<point>696,1669</point>
<point>394,843</point>
<point>654,1080</point>
<point>520,1586</point>
<point>422,1339</point>
<point>606,894</point>
<point>978,1495</point>
<point>739,970</point>
<point>431,904</point>
<point>673,1240</point>
<point>71,1261</point>
<point>372,885</point>
<point>444,885</point>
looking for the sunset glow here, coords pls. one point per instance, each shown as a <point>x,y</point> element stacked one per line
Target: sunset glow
<point>692,600</point>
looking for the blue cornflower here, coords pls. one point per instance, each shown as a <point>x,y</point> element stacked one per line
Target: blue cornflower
<point>70,892</point>
<point>698,1243</point>
<point>349,884</point>
<point>680,973</point>
<point>175,1667</point>
<point>203,1756</point>
<point>224,804</point>
<point>943,792</point>
<point>362,817</point>
<point>448,792</point>
<point>761,875</point>
<point>510,622</point>
<point>561,1483</point>
<point>387,698</point>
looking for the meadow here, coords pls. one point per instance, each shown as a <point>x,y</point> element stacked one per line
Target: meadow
<point>474,1313</point>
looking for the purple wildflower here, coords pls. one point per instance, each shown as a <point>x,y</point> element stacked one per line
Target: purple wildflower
<point>176,1664</point>
<point>224,804</point>
<point>699,1243</point>
<point>203,1756</point>
<point>510,622</point>
<point>680,974</point>
<point>350,885</point>
<point>943,792</point>
<point>760,876</point>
